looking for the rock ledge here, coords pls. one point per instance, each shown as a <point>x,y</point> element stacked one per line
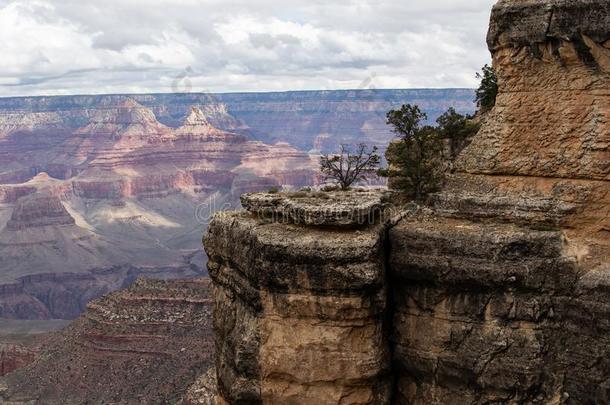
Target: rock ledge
<point>338,208</point>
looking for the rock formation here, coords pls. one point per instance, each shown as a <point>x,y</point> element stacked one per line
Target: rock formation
<point>299,312</point>
<point>297,117</point>
<point>498,291</point>
<point>13,356</point>
<point>147,344</point>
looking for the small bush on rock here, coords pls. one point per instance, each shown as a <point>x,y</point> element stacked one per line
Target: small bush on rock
<point>488,89</point>
<point>350,166</point>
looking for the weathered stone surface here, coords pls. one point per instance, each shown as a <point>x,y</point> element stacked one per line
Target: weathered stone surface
<point>204,391</point>
<point>551,117</point>
<point>518,23</point>
<point>353,208</point>
<point>513,308</point>
<point>543,152</point>
<point>299,312</point>
<point>492,312</point>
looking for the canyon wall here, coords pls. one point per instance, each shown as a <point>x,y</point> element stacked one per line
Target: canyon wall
<point>495,291</point>
<point>305,119</point>
<point>98,190</point>
<point>128,199</point>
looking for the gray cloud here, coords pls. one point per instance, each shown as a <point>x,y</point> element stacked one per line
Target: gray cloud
<point>75,46</point>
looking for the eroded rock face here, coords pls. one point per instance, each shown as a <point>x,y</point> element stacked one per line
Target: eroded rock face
<point>338,209</point>
<point>150,343</point>
<point>551,123</point>
<point>14,356</point>
<point>39,211</point>
<point>495,312</point>
<point>494,291</point>
<point>552,112</point>
<point>299,312</point>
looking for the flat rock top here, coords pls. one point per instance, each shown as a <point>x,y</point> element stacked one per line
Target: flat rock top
<point>313,208</point>
<point>527,22</point>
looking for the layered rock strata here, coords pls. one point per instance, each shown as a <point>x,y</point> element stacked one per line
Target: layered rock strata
<point>471,312</point>
<point>300,311</point>
<point>495,313</point>
<point>146,344</point>
<point>14,356</point>
<point>512,308</point>
<point>547,139</point>
<point>90,208</point>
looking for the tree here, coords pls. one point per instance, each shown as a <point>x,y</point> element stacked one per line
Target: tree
<point>488,89</point>
<point>406,121</point>
<point>416,160</point>
<point>456,128</point>
<point>348,167</point>
<point>416,163</point>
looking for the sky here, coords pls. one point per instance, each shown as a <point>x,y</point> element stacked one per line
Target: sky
<point>51,47</point>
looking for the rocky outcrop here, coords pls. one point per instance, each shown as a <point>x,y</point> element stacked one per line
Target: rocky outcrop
<point>497,291</point>
<point>339,209</point>
<point>438,310</point>
<point>550,125</point>
<point>495,313</point>
<point>502,290</point>
<point>147,344</point>
<point>39,210</point>
<point>13,356</point>
<point>300,312</point>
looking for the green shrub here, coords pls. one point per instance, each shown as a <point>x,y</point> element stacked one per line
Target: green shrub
<point>487,92</point>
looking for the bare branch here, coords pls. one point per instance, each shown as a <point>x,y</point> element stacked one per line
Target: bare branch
<point>347,168</point>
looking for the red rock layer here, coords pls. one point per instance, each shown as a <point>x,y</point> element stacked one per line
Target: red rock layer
<point>13,357</point>
<point>37,211</point>
<point>147,344</point>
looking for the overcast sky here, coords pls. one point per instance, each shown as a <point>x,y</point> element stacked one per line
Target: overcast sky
<point>120,46</point>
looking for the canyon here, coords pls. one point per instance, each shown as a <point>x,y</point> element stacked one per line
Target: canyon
<point>96,191</point>
<point>496,289</point>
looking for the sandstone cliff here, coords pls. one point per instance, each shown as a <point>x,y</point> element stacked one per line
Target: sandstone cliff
<point>497,292</point>
<point>299,312</point>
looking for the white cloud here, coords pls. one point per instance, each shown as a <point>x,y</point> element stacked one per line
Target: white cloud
<point>75,46</point>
